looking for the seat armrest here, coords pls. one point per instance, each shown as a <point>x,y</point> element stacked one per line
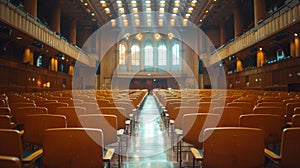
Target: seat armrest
<point>109,154</point>
<point>272,155</point>
<point>197,155</point>
<point>34,156</point>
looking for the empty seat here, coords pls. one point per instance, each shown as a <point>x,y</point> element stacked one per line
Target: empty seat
<point>35,126</point>
<point>230,116</point>
<point>11,145</point>
<point>296,120</point>
<point>74,147</point>
<point>231,147</point>
<point>21,113</point>
<point>10,162</point>
<point>271,124</point>
<point>6,122</point>
<point>71,114</point>
<point>53,106</point>
<point>290,149</point>
<point>5,111</point>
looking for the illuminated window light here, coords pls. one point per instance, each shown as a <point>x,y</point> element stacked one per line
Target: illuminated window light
<point>177,3</point>
<point>135,10</point>
<point>133,3</point>
<point>121,10</point>
<point>137,22</point>
<point>119,4</point>
<point>160,22</point>
<point>113,22</point>
<point>174,15</point>
<point>103,5</point>
<point>125,22</point>
<point>123,15</point>
<point>162,3</point>
<point>175,10</point>
<point>149,22</point>
<point>136,15</point>
<point>107,10</point>
<point>148,10</point>
<point>148,3</point>
<point>102,2</point>
<point>190,10</point>
<point>184,22</point>
<point>187,15</point>
<point>172,22</point>
<point>161,15</point>
<point>161,10</point>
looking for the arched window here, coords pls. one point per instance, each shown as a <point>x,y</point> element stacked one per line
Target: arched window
<point>135,55</point>
<point>122,54</point>
<point>39,61</point>
<point>175,54</point>
<point>148,55</point>
<point>162,55</point>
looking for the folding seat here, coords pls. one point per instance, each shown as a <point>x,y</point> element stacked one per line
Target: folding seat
<point>296,120</point>
<point>10,162</point>
<point>21,113</point>
<point>120,113</point>
<point>71,114</point>
<point>15,106</point>
<point>5,111</point>
<point>248,107</point>
<point>230,116</point>
<point>11,145</point>
<point>270,110</point>
<point>6,122</point>
<point>35,126</point>
<point>271,124</point>
<point>193,126</point>
<point>276,104</point>
<point>53,106</point>
<point>91,108</point>
<point>231,147</point>
<point>41,103</point>
<point>289,151</point>
<point>75,147</point>
<point>290,110</point>
<point>108,124</point>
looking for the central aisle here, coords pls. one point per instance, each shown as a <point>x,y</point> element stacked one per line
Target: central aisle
<point>149,145</point>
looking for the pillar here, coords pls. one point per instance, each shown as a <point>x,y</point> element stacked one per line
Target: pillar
<point>297,46</point>
<point>222,34</point>
<point>31,7</point>
<point>56,18</point>
<point>73,32</point>
<point>238,21</point>
<point>259,10</point>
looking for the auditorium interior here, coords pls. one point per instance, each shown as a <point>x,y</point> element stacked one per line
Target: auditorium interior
<point>149,83</point>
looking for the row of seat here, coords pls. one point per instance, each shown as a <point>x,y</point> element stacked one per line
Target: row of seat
<point>190,113</point>
<point>35,121</point>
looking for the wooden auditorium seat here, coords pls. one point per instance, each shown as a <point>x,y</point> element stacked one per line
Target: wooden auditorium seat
<point>271,124</point>
<point>230,116</point>
<point>71,113</point>
<point>35,126</point>
<point>74,147</point>
<point>290,150</point>
<point>53,106</point>
<point>6,122</point>
<point>11,145</point>
<point>296,120</point>
<point>10,162</point>
<point>231,147</point>
<point>193,126</point>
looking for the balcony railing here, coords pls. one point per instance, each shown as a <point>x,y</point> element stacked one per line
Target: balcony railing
<point>24,22</point>
<point>277,22</point>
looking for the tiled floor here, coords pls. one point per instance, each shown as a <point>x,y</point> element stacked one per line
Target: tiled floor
<point>150,144</point>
